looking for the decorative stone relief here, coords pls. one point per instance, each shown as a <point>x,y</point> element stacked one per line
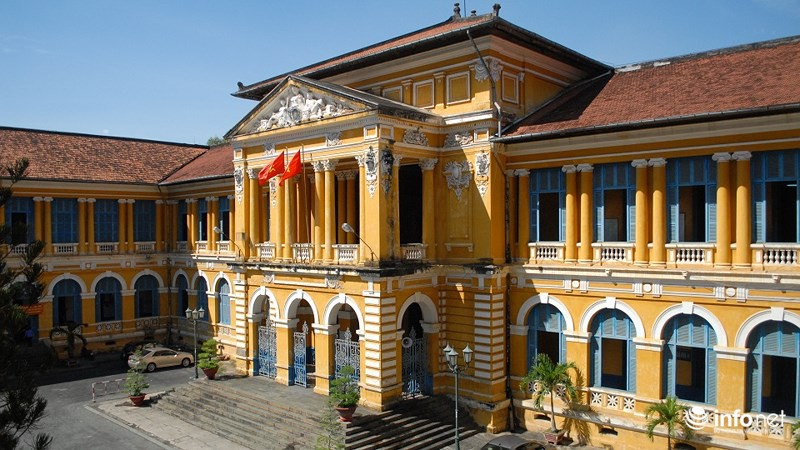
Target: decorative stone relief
<point>428,164</point>
<point>387,161</point>
<point>269,149</point>
<point>238,182</point>
<point>458,176</point>
<point>415,137</point>
<point>298,105</point>
<point>253,173</point>
<point>369,161</point>
<point>459,138</point>
<point>333,282</point>
<point>273,191</point>
<point>332,139</point>
<point>495,68</point>
<point>482,172</point>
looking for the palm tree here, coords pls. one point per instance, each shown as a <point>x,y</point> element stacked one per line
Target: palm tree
<point>796,436</point>
<point>550,377</point>
<point>670,413</point>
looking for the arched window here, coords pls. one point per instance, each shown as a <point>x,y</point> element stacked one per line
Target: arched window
<point>67,302</point>
<point>202,296</point>
<point>183,293</point>
<point>546,333</point>
<point>774,368</point>
<point>224,303</point>
<point>613,353</point>
<point>147,304</point>
<point>108,300</point>
<point>690,363</point>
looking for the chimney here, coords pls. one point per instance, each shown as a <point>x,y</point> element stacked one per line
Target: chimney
<point>456,11</point>
<point>496,10</point>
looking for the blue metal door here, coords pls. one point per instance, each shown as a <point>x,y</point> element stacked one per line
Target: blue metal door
<point>348,354</point>
<point>300,373</point>
<point>267,351</point>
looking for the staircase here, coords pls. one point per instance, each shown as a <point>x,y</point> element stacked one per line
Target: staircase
<point>421,423</point>
<point>260,414</point>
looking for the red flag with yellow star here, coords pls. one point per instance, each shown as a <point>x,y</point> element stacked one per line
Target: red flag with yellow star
<point>273,169</point>
<point>295,167</point>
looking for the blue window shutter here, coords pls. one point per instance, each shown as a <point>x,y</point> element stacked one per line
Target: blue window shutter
<point>759,211</point>
<point>711,214</point>
<point>562,215</point>
<point>754,363</point>
<point>599,216</point>
<point>632,214</point>
<point>669,369</point>
<point>535,216</point>
<point>562,347</point>
<point>596,361</point>
<point>711,369</point>
<point>631,366</point>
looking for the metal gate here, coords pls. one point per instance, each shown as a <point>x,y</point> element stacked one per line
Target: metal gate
<point>347,354</point>
<point>414,364</point>
<point>267,350</point>
<point>300,373</point>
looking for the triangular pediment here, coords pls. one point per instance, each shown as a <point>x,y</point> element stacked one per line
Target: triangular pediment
<point>297,101</point>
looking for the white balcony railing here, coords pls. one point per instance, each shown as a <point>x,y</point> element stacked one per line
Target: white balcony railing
<point>613,251</point>
<point>266,250</point>
<point>345,253</point>
<point>182,246</point>
<point>65,249</point>
<point>200,246</point>
<point>413,252</point>
<point>145,247</point>
<point>546,251</point>
<point>105,248</point>
<point>223,246</point>
<point>303,252</point>
<point>690,253</point>
<point>775,254</point>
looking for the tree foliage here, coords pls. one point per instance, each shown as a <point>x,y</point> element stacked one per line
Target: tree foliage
<point>671,414</point>
<point>21,407</point>
<point>550,378</point>
<point>215,140</point>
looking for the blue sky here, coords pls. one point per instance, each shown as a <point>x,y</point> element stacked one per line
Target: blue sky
<point>165,70</point>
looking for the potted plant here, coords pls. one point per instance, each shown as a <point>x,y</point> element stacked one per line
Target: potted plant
<point>208,358</point>
<point>547,379</point>
<point>345,393</point>
<point>670,413</point>
<point>136,382</point>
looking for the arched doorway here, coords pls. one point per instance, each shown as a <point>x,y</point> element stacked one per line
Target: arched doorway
<point>346,345</point>
<point>416,378</point>
<point>304,355</point>
<point>613,353</point>
<point>266,364</point>
<point>774,368</point>
<point>689,360</point>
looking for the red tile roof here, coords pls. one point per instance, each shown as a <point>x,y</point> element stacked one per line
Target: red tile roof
<point>78,157</point>
<point>217,162</point>
<point>436,36</point>
<point>743,80</point>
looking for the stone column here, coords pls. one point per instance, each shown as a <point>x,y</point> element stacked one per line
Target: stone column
<point>160,226</point>
<point>341,207</point>
<point>276,218</point>
<point>642,228</point>
<point>511,185</point>
<point>524,214</point>
<point>330,212</point>
<point>254,195</point>
<point>38,218</point>
<point>288,219</point>
<point>587,224</point>
<point>324,336</point>
<point>350,176</point>
<point>129,226</point>
<point>122,227</point>
<point>428,208</point>
<point>744,214</point>
<point>82,226</point>
<point>212,205</point>
<point>319,209</point>
<point>395,205</point>
<point>90,244</point>
<point>303,213</point>
<point>48,225</point>
<point>284,344</point>
<point>191,217</point>
<point>658,254</point>
<point>723,251</point>
<point>571,213</point>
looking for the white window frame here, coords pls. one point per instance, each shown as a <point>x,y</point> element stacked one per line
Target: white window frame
<point>419,84</point>
<point>469,87</point>
<point>515,98</point>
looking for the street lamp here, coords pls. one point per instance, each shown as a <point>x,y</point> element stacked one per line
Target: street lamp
<point>451,356</point>
<point>222,234</point>
<point>349,229</point>
<point>194,315</point>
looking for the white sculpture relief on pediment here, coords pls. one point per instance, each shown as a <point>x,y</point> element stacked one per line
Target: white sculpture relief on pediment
<point>416,137</point>
<point>299,105</point>
<point>495,68</point>
<point>459,138</point>
<point>269,149</point>
<point>333,139</point>
<point>458,176</point>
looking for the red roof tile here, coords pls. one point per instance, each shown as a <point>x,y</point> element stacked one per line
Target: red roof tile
<point>748,78</point>
<point>78,157</point>
<point>216,162</point>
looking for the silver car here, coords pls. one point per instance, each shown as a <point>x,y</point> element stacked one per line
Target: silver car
<point>158,357</point>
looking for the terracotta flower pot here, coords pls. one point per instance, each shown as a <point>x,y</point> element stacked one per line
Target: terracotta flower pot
<point>554,437</point>
<point>137,400</point>
<point>210,373</point>
<point>346,414</point>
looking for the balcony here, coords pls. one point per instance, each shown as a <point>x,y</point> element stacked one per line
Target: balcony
<point>266,250</point>
<point>346,253</point>
<point>775,254</point>
<point>413,252</point>
<point>65,249</point>
<point>546,251</point>
<point>612,251</point>
<point>691,253</point>
<point>145,247</point>
<point>106,248</point>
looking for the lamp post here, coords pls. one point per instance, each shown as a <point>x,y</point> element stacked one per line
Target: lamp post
<point>222,234</point>
<point>349,229</point>
<point>451,356</point>
<point>194,315</point>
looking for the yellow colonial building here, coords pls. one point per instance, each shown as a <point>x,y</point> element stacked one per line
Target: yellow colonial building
<point>468,184</point>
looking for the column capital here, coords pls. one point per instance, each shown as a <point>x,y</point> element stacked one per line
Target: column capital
<point>318,166</point>
<point>657,162</point>
<point>172,202</point>
<point>522,172</point>
<point>721,157</point>
<point>191,200</point>
<point>329,165</point>
<point>230,197</point>
<point>160,202</point>
<point>81,200</point>
<point>252,173</point>
<point>742,156</point>
<point>212,199</point>
<point>639,163</point>
<point>91,200</point>
<point>38,199</point>
<point>428,164</point>
<point>131,200</point>
<point>569,168</point>
<point>122,201</point>
<point>585,168</point>
<point>48,199</point>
